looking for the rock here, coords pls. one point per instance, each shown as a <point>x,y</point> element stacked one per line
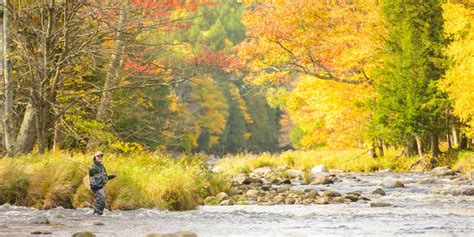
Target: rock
<point>84,234</point>
<point>227,202</point>
<point>254,180</point>
<point>45,232</point>
<point>156,234</point>
<point>469,191</point>
<point>266,187</point>
<point>338,200</point>
<point>39,220</point>
<point>221,197</point>
<point>36,232</point>
<point>442,171</point>
<point>352,197</point>
<point>322,180</point>
<point>268,203</point>
<point>322,200</point>
<point>3,226</point>
<point>58,216</point>
<point>471,174</point>
<point>426,181</point>
<point>380,204</point>
<point>319,169</point>
<point>278,199</point>
<point>252,193</point>
<point>185,234</point>
<point>398,184</point>
<point>98,223</point>
<point>285,181</point>
<point>290,201</point>
<point>283,189</point>
<point>262,171</point>
<point>312,194</point>
<point>329,193</point>
<point>295,173</point>
<point>379,191</point>
<point>242,179</point>
<point>296,191</point>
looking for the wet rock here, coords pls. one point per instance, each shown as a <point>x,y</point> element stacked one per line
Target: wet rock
<point>338,200</point>
<point>352,197</point>
<point>426,181</point>
<point>397,184</point>
<point>266,187</point>
<point>156,234</point>
<point>84,234</point>
<point>58,216</point>
<point>379,191</point>
<point>319,169</point>
<point>45,232</point>
<point>312,194</point>
<point>221,197</point>
<point>469,191</point>
<point>442,171</point>
<point>227,202</point>
<point>322,200</point>
<point>380,204</point>
<point>290,201</point>
<point>39,220</point>
<point>322,180</point>
<point>98,223</point>
<point>36,232</point>
<point>278,199</point>
<point>329,193</point>
<point>285,181</point>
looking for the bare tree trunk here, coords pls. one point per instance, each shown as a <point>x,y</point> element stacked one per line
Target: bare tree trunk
<point>447,127</point>
<point>112,79</point>
<point>455,136</point>
<point>380,146</point>
<point>2,132</point>
<point>58,136</point>
<point>419,145</point>
<point>26,137</point>
<point>8,104</point>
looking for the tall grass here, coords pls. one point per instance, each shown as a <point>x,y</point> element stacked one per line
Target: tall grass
<point>143,181</point>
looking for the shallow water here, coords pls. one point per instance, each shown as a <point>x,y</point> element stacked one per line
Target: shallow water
<point>419,210</point>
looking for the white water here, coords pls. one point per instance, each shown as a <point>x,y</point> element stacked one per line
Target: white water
<point>417,211</point>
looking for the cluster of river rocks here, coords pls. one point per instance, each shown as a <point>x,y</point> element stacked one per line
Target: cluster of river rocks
<point>268,186</point>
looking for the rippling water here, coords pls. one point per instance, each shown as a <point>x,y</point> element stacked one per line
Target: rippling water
<point>419,210</point>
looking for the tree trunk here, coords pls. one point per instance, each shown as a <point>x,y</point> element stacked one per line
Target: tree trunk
<point>112,79</point>
<point>419,145</point>
<point>58,136</point>
<point>26,137</point>
<point>447,127</point>
<point>2,132</point>
<point>455,136</point>
<point>8,104</point>
<point>463,144</point>
<point>434,148</point>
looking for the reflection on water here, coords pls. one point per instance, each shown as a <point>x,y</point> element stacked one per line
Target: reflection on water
<point>420,209</point>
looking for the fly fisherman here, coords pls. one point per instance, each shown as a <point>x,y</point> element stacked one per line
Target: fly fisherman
<point>98,178</point>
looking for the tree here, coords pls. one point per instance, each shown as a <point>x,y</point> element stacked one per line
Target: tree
<point>409,106</point>
<point>8,82</point>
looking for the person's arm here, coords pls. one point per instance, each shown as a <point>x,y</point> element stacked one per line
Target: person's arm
<point>94,170</point>
<point>109,177</point>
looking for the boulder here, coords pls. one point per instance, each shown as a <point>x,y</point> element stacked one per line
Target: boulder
<point>442,171</point>
<point>469,191</point>
<point>321,180</point>
<point>278,199</point>
<point>221,197</point>
<point>338,200</point>
<point>227,202</point>
<point>295,173</point>
<point>329,193</point>
<point>283,189</point>
<point>308,201</point>
<point>252,193</point>
<point>39,220</point>
<point>397,184</point>
<point>83,234</point>
<point>296,191</point>
<point>311,194</point>
<point>379,191</point>
<point>380,204</point>
<point>285,181</point>
<point>290,201</point>
<point>352,197</point>
<point>242,179</point>
<point>319,169</point>
<point>322,200</point>
<point>263,171</point>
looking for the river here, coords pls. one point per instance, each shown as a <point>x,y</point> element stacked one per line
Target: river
<point>430,208</point>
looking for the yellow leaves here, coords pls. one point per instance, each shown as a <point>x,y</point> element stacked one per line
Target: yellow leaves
<point>459,78</point>
<point>235,94</point>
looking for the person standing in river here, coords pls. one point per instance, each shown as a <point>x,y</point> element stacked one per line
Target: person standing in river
<point>98,179</point>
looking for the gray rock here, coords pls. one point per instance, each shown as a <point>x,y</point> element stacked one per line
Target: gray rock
<point>442,171</point>
<point>380,204</point>
<point>329,193</point>
<point>319,169</point>
<point>39,220</point>
<point>221,197</point>
<point>83,234</point>
<point>379,191</point>
<point>227,202</point>
<point>322,180</point>
<point>98,223</point>
<point>469,191</point>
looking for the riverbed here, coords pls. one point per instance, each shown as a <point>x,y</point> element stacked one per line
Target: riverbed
<point>427,206</point>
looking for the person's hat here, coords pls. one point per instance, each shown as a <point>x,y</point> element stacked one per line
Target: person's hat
<point>98,154</point>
